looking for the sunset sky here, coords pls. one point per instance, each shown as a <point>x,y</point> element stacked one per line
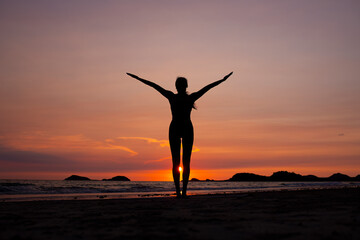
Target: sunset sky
<point>67,106</point>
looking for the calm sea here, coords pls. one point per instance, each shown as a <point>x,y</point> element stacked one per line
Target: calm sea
<point>29,190</point>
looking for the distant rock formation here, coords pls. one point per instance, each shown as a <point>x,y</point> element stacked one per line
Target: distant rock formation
<point>194,180</point>
<point>339,177</point>
<point>117,178</point>
<point>286,176</point>
<point>311,178</point>
<point>76,177</point>
<point>247,177</point>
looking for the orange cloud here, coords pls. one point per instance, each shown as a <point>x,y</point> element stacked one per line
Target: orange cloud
<point>157,160</point>
<point>117,147</point>
<point>44,141</point>
<point>162,143</point>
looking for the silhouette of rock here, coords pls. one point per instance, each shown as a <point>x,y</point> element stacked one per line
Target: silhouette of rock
<point>291,176</point>
<point>310,178</point>
<point>76,177</point>
<point>247,177</point>
<point>209,180</point>
<point>339,177</point>
<point>117,178</point>
<point>195,180</point>
<point>286,176</point>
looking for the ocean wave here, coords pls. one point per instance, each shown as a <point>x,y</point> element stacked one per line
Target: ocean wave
<point>51,187</point>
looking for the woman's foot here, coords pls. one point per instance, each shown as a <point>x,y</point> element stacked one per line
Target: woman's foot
<point>184,195</point>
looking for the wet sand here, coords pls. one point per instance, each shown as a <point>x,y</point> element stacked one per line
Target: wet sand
<point>303,214</point>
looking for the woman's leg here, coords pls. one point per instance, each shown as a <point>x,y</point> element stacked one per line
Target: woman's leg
<point>187,143</point>
<point>175,144</point>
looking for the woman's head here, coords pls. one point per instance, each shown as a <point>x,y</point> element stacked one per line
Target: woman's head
<point>181,84</point>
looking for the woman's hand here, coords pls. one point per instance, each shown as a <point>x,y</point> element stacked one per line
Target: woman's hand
<point>132,75</point>
<point>227,76</point>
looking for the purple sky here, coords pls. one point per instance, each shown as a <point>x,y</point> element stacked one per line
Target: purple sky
<point>66,105</point>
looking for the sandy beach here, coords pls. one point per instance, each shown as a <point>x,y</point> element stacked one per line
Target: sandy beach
<point>303,214</point>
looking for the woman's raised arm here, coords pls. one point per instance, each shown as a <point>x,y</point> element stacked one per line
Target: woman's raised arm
<point>202,91</point>
<point>161,90</point>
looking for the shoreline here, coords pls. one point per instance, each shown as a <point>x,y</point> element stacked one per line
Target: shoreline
<point>142,195</point>
<point>300,214</point>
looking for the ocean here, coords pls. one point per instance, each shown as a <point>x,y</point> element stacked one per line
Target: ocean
<point>31,190</point>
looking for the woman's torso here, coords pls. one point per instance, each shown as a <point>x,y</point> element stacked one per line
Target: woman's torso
<point>181,106</point>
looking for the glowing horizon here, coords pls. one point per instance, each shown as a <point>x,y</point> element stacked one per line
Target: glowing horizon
<point>67,106</point>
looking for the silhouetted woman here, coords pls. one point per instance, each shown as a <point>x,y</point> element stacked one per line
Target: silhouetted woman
<point>181,127</point>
